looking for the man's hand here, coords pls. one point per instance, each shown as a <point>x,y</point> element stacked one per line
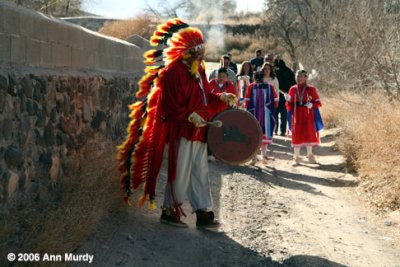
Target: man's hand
<point>197,120</point>
<point>309,105</point>
<point>229,99</point>
<point>287,97</point>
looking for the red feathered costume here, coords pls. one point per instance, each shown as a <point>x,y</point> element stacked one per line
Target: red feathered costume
<point>170,95</point>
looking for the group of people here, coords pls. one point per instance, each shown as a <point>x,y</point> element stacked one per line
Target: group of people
<point>269,90</point>
<point>178,101</point>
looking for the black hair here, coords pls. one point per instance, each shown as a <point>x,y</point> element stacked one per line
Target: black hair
<point>222,70</point>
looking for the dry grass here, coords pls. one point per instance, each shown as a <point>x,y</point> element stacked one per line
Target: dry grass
<point>242,47</point>
<point>143,25</point>
<point>62,226</point>
<point>369,140</point>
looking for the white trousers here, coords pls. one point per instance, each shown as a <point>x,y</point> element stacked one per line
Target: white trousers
<point>191,177</point>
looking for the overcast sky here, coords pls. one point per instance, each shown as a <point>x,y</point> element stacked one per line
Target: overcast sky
<point>130,8</point>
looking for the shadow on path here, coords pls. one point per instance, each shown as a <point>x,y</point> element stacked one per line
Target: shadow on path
<point>137,239</point>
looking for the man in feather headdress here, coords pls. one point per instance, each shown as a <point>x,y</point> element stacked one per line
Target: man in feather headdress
<point>174,111</point>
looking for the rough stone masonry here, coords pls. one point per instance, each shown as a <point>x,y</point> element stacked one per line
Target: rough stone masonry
<point>61,87</point>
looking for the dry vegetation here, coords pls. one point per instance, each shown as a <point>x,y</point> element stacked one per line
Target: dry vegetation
<point>242,47</point>
<point>356,50</point>
<point>143,25</point>
<point>61,226</point>
<point>369,141</point>
<point>354,47</point>
<point>349,58</point>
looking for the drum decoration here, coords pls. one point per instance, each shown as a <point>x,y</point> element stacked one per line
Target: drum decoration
<point>237,139</point>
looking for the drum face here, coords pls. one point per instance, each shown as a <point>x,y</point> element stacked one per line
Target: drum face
<point>238,139</point>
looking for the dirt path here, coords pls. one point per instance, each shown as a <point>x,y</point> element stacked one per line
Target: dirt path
<point>274,215</point>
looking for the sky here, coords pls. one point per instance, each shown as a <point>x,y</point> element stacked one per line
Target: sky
<point>129,8</point>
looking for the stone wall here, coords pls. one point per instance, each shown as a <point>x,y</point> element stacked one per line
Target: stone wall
<point>61,88</point>
<point>94,23</point>
<point>47,118</point>
<point>34,39</point>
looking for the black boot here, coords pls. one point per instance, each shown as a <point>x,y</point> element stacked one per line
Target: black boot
<point>169,216</point>
<point>205,219</point>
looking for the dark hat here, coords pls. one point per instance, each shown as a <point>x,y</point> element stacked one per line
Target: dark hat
<point>302,72</point>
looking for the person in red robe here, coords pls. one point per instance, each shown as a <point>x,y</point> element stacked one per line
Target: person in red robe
<point>219,85</point>
<point>173,109</point>
<point>302,103</point>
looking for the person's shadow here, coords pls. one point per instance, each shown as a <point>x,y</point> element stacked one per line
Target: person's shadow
<point>135,237</point>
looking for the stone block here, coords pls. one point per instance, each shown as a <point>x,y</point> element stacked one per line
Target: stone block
<point>100,62</point>
<point>46,58</point>
<point>13,157</point>
<point>58,33</point>
<point>2,11</point>
<point>101,45</point>
<point>89,42</point>
<point>61,55</point>
<point>76,38</point>
<point>92,58</point>
<point>27,87</point>
<point>33,56</point>
<point>3,86</point>
<point>118,64</point>
<point>11,21</point>
<point>135,52</point>
<point>33,27</point>
<point>18,49</point>
<point>87,114</point>
<point>55,168</point>
<point>12,183</point>
<point>49,135</point>
<point>139,41</point>
<point>135,65</point>
<point>6,127</point>
<point>5,47</point>
<point>79,59</point>
<point>99,117</point>
<point>117,49</point>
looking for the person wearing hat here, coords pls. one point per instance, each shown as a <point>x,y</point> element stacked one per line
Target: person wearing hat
<point>302,103</point>
<point>173,109</point>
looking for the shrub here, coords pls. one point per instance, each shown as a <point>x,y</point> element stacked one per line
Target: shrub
<point>369,141</point>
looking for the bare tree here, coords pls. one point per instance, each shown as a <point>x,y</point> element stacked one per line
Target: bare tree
<point>354,43</point>
<point>205,11</point>
<point>53,7</point>
<point>289,20</point>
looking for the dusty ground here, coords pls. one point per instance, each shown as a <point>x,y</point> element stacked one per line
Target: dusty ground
<point>273,215</point>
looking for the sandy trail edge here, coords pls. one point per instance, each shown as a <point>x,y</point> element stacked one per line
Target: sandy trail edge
<point>274,215</point>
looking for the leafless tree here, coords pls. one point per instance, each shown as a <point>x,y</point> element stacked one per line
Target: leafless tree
<point>206,11</point>
<point>354,43</point>
<point>53,7</point>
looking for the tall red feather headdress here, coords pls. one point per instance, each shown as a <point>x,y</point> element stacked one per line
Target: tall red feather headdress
<point>140,156</point>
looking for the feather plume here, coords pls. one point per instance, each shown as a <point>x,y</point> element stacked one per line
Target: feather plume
<point>166,30</point>
<point>125,150</point>
<point>140,156</point>
<point>150,147</point>
<point>145,84</point>
<point>153,53</point>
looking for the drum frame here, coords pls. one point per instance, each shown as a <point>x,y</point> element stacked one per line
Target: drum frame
<point>259,139</point>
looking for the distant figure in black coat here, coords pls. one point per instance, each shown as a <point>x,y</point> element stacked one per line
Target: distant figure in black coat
<point>286,79</point>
